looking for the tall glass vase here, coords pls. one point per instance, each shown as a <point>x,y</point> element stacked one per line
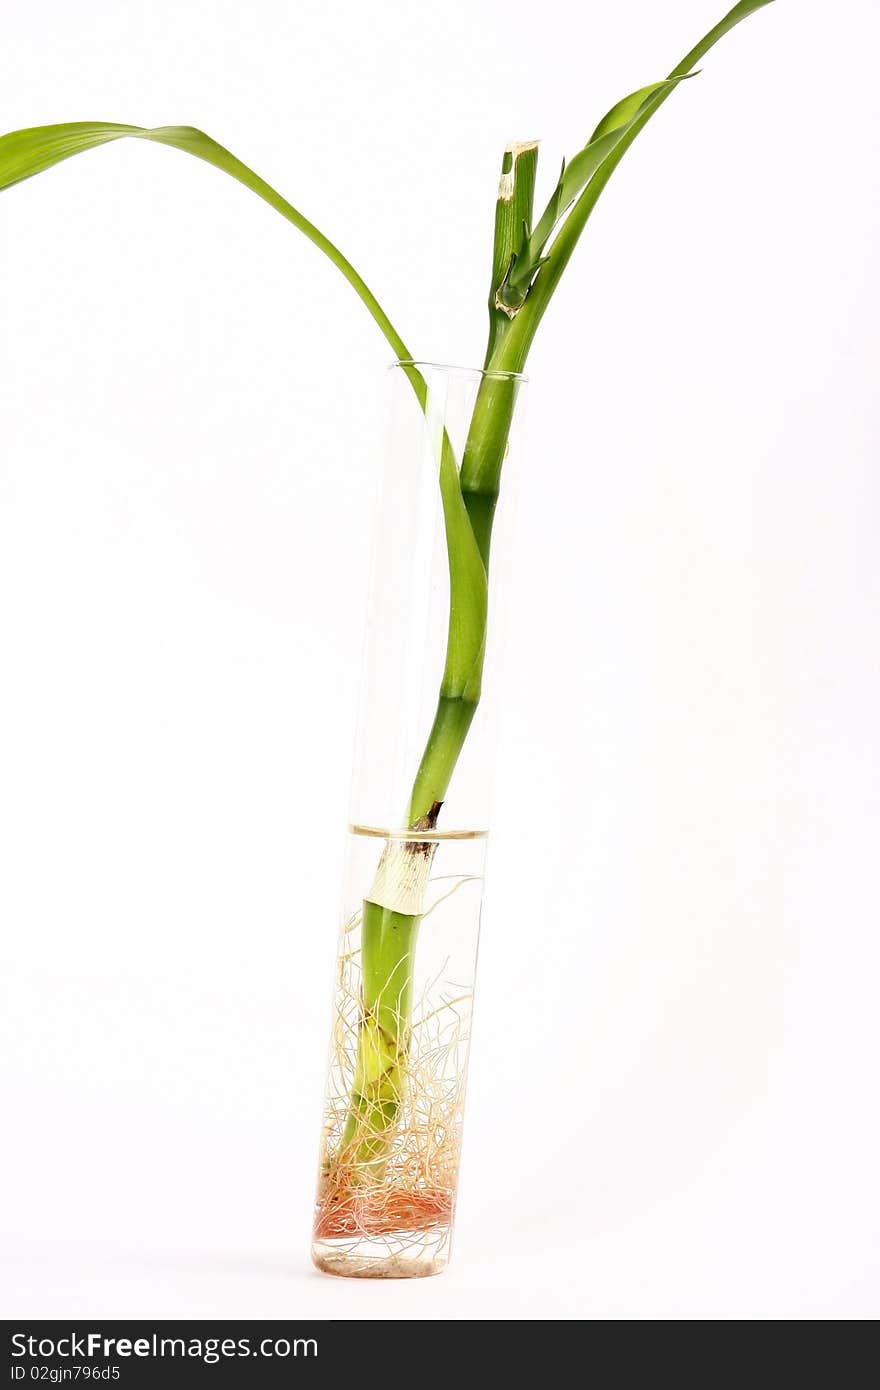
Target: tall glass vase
<point>413,890</point>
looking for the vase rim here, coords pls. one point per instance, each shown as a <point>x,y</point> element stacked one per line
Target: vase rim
<point>473,372</point>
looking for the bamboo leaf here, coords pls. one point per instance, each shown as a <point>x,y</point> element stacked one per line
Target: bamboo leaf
<point>468,587</point>
<point>611,129</point>
<point>24,153</point>
<point>468,582</point>
<point>724,26</point>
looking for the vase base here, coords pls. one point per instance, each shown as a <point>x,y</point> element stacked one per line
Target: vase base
<point>405,1257</point>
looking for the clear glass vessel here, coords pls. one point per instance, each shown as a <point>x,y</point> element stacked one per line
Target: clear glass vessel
<point>407,955</point>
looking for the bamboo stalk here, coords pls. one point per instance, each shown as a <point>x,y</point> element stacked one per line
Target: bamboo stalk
<point>513,221</point>
<point>387,952</point>
<point>389,939</point>
<point>389,935</point>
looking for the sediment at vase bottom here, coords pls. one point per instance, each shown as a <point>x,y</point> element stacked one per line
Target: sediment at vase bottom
<point>387,1232</point>
<point>418,1255</point>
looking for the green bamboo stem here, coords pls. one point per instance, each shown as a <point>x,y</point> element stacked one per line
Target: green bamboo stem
<point>513,219</point>
<point>389,939</point>
<point>485,451</point>
<point>449,730</point>
<point>387,952</point>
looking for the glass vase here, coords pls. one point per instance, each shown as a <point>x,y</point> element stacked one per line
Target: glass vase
<point>413,890</point>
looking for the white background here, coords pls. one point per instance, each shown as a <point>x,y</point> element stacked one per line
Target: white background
<point>673,1099</point>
